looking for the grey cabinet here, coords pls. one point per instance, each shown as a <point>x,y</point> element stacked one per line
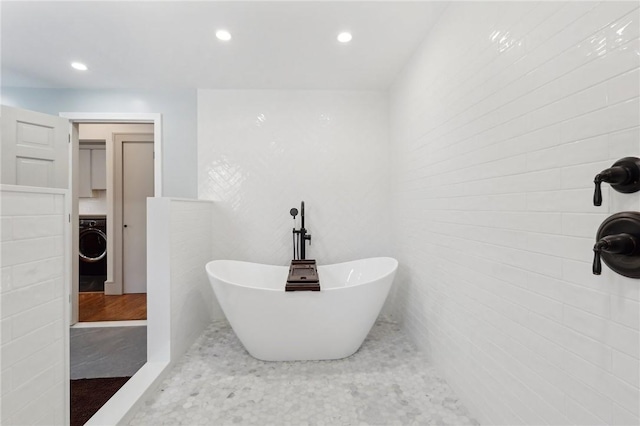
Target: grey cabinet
<point>98,169</point>
<point>92,171</point>
<point>84,173</point>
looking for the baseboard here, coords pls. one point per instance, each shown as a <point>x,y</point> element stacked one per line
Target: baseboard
<point>112,289</point>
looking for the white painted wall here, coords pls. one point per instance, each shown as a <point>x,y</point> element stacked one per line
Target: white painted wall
<point>260,153</point>
<point>499,124</point>
<point>33,335</point>
<point>180,303</point>
<point>103,132</point>
<point>94,206</point>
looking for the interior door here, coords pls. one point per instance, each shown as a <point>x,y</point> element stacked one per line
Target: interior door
<point>35,152</point>
<point>34,149</point>
<point>137,185</point>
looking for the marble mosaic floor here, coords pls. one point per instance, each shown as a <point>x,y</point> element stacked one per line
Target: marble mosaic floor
<point>385,383</point>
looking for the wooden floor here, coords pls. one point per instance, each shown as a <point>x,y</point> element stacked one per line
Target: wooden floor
<point>98,307</point>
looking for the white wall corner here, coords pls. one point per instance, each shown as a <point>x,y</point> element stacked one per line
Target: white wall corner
<point>158,280</point>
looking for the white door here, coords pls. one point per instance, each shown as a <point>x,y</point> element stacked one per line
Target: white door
<point>34,149</point>
<point>137,185</point>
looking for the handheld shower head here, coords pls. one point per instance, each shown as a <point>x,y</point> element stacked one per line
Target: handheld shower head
<point>300,236</point>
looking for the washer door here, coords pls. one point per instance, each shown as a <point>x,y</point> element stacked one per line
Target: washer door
<point>93,245</point>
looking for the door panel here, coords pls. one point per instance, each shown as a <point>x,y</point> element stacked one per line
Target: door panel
<point>137,185</point>
<point>34,172</point>
<point>34,149</point>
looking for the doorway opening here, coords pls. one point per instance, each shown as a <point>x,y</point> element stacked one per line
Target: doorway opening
<point>115,165</point>
<point>91,132</point>
<point>115,177</point>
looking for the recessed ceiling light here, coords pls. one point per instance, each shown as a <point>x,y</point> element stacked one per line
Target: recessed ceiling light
<point>344,37</point>
<point>79,66</point>
<point>223,35</point>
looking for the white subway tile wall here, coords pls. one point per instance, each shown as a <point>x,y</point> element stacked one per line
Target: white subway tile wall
<point>260,153</point>
<point>180,302</point>
<point>193,304</point>
<point>32,307</point>
<point>498,125</point>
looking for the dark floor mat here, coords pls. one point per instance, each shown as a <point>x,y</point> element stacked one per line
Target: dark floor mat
<point>89,395</point>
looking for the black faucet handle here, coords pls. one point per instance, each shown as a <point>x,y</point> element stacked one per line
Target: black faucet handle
<point>597,262</point>
<point>293,212</point>
<point>597,195</point>
<point>613,175</point>
<point>622,244</point>
<point>624,176</point>
<point>600,246</point>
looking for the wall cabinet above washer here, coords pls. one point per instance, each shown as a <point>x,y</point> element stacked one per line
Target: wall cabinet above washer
<point>98,169</point>
<point>84,173</point>
<point>92,170</point>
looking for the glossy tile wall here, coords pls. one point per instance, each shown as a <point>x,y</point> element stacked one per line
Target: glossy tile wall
<point>180,300</point>
<point>33,335</point>
<point>260,153</point>
<point>193,304</point>
<point>499,124</point>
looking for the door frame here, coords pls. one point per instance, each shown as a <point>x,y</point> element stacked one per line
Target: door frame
<point>76,118</point>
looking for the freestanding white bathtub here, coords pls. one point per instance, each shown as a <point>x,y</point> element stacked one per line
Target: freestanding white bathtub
<point>274,325</point>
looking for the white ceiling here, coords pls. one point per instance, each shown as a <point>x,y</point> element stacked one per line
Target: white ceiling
<point>171,44</point>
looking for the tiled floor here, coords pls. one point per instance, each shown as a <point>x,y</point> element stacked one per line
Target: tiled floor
<point>384,383</point>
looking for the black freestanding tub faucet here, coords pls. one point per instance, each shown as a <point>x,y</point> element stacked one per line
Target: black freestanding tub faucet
<point>300,236</point>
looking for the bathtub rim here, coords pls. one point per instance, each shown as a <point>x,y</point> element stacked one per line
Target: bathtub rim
<point>382,276</point>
